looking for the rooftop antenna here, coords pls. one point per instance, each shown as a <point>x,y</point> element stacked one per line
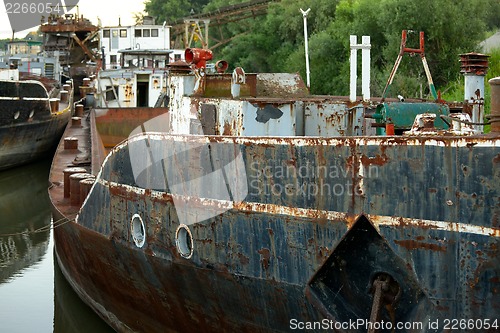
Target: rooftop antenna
<point>308,73</point>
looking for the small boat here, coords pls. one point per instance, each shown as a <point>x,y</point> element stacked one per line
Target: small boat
<point>251,205</point>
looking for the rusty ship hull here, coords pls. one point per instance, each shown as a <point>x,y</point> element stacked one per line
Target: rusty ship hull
<point>297,255</point>
<point>274,210</point>
<point>27,142</point>
<point>30,126</point>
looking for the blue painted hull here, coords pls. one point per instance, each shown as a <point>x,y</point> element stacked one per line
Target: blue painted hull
<point>322,219</point>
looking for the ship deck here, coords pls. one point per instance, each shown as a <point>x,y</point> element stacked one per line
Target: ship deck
<point>68,158</point>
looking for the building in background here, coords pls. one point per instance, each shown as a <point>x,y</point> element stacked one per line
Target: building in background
<point>145,36</point>
<point>493,42</point>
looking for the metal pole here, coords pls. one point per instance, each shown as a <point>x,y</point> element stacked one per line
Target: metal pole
<point>354,68</point>
<point>365,65</point>
<point>304,14</point>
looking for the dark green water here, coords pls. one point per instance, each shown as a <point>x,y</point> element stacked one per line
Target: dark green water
<point>34,296</point>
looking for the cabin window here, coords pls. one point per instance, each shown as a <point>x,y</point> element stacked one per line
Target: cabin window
<point>146,33</point>
<point>105,33</point>
<point>110,95</point>
<point>177,57</point>
<point>138,33</point>
<point>123,33</point>
<point>154,32</point>
<point>115,33</point>
<point>113,58</point>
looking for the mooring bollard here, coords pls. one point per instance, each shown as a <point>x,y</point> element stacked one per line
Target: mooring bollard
<point>67,173</point>
<point>85,186</point>
<point>70,143</point>
<point>54,104</point>
<point>74,187</point>
<point>79,110</point>
<point>64,96</point>
<point>76,122</point>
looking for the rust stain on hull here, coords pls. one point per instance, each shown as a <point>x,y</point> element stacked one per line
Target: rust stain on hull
<point>413,244</point>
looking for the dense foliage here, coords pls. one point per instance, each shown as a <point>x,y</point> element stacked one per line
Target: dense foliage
<point>275,42</point>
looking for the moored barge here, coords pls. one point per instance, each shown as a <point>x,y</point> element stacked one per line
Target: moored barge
<point>253,206</point>
<point>34,111</point>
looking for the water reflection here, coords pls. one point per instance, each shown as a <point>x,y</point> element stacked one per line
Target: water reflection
<point>34,296</point>
<point>71,314</point>
<point>24,208</point>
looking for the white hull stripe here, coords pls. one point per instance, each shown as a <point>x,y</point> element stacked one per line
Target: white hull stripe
<point>377,220</point>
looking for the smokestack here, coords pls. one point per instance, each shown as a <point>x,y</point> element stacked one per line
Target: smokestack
<point>474,67</point>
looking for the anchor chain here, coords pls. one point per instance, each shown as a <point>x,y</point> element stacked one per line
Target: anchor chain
<point>385,292</point>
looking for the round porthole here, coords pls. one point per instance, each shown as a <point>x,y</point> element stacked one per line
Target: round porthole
<point>184,241</point>
<point>16,115</point>
<point>138,230</point>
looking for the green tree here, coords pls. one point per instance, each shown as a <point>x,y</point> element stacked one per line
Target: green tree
<point>173,10</point>
<point>275,42</point>
<point>449,30</point>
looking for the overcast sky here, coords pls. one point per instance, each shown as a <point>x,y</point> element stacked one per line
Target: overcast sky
<point>107,10</point>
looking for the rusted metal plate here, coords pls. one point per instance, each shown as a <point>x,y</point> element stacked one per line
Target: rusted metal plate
<point>208,118</point>
<point>115,124</point>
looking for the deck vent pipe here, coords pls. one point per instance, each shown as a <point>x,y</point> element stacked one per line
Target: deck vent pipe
<point>198,57</point>
<point>474,67</point>
<point>495,104</point>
